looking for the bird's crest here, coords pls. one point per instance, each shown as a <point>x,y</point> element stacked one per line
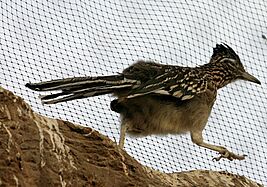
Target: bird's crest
<point>222,51</point>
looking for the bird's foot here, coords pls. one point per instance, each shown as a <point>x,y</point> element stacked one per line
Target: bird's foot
<point>229,155</point>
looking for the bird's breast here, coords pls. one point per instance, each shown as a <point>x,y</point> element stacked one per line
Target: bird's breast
<point>149,115</point>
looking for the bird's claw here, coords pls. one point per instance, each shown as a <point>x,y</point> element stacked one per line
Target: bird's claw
<point>229,155</point>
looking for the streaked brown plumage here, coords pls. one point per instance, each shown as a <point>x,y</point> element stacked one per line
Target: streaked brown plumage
<point>159,99</point>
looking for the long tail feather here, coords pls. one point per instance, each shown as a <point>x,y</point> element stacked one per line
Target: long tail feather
<point>76,82</point>
<point>80,87</point>
<point>79,94</point>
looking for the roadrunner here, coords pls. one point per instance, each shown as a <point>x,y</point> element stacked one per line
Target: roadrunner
<point>159,99</point>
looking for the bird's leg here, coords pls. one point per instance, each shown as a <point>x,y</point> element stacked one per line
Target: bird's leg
<point>224,153</point>
<point>123,131</point>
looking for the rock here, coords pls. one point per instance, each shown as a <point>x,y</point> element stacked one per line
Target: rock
<point>40,151</point>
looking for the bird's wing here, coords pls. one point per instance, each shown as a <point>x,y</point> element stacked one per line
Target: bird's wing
<point>180,82</point>
<point>143,71</point>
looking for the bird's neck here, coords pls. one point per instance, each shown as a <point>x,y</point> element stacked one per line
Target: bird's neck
<point>218,74</point>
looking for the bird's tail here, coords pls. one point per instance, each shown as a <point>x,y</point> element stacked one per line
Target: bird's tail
<point>80,87</point>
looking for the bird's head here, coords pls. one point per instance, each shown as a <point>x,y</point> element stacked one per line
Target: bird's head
<point>224,57</point>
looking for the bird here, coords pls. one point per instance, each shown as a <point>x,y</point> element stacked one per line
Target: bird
<point>159,99</point>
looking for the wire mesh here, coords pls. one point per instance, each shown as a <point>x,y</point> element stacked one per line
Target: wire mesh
<point>43,40</point>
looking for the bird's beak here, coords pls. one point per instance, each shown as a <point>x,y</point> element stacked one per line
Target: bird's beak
<point>246,76</point>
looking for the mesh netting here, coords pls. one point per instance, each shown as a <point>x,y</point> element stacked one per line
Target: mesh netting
<point>43,40</point>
